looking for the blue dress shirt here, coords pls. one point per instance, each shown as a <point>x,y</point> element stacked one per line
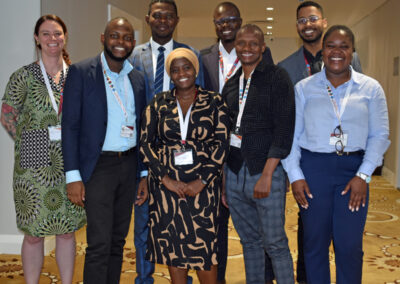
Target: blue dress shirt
<point>365,120</point>
<point>115,116</point>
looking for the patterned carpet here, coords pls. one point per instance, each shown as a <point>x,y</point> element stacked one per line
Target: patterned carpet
<point>381,247</point>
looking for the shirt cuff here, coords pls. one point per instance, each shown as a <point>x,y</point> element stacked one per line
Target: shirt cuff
<point>367,168</point>
<point>144,173</point>
<point>295,174</point>
<point>72,176</point>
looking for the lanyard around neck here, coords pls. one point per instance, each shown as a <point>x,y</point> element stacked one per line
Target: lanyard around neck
<point>114,90</point>
<point>184,121</point>
<point>343,104</point>
<point>56,108</point>
<point>309,66</point>
<point>243,93</point>
<point>221,65</point>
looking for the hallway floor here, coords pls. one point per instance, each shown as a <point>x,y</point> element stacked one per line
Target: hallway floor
<point>381,247</point>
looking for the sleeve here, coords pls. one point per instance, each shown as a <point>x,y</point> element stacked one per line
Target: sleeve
<point>148,139</point>
<point>17,89</point>
<point>220,143</point>
<point>378,132</point>
<point>283,108</point>
<point>71,118</point>
<point>292,163</point>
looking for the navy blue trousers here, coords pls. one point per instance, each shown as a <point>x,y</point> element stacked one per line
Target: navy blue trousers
<point>328,218</point>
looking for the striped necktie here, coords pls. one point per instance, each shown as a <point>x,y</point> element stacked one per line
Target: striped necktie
<point>159,80</point>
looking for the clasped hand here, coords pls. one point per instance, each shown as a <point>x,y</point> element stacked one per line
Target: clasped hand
<point>181,188</point>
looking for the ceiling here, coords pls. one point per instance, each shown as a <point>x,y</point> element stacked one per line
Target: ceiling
<point>347,12</point>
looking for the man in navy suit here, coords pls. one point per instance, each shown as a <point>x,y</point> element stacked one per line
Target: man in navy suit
<point>103,101</point>
<point>221,63</point>
<point>162,18</point>
<point>306,61</point>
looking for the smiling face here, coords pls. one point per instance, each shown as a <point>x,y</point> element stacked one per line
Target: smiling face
<point>118,40</point>
<point>249,45</point>
<point>227,22</point>
<point>50,38</point>
<point>182,73</point>
<point>311,32</point>
<point>337,53</point>
<point>162,21</point>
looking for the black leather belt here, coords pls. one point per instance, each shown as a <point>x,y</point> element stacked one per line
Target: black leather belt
<point>355,153</point>
<point>118,154</point>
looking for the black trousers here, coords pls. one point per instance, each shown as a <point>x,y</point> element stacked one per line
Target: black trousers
<point>109,198</point>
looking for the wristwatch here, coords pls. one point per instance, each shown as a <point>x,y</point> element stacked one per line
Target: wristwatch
<point>364,177</point>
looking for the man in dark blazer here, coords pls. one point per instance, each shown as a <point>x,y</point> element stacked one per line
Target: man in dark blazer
<point>227,22</point>
<point>260,99</point>
<point>306,61</point>
<point>103,101</point>
<point>162,19</point>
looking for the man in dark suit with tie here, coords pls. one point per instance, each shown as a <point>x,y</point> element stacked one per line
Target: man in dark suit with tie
<point>103,101</point>
<point>149,57</point>
<point>221,63</point>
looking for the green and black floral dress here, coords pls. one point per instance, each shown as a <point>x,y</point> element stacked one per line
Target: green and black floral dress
<point>41,203</point>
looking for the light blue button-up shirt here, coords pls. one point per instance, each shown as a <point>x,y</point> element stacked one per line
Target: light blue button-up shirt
<point>365,120</point>
<point>115,116</point>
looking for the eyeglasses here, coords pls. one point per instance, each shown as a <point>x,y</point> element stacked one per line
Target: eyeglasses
<point>338,133</point>
<point>303,21</point>
<point>227,20</point>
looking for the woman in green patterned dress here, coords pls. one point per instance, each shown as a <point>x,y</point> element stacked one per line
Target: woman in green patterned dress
<point>31,114</point>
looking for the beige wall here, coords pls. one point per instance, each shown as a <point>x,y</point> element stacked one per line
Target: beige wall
<point>378,43</point>
<point>86,20</point>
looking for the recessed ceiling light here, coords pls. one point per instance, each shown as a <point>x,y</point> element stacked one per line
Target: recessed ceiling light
<point>270,19</point>
<point>269,27</point>
<point>270,8</point>
<point>269,33</point>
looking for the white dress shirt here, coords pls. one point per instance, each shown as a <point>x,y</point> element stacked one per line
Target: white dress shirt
<point>229,60</point>
<point>154,51</point>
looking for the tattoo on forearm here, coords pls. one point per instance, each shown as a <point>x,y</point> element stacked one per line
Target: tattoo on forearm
<point>8,119</point>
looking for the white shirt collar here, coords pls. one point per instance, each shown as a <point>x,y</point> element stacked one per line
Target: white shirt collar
<point>168,46</point>
<point>226,53</point>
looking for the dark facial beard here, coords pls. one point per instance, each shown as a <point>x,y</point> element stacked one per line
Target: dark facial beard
<point>111,55</point>
<point>311,40</point>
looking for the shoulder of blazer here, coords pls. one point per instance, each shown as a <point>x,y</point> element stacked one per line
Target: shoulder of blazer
<point>211,50</point>
<point>292,59</point>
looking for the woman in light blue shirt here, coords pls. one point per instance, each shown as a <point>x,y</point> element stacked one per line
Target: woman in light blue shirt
<point>341,134</point>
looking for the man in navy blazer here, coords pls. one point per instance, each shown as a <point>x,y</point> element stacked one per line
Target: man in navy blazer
<point>306,61</point>
<point>103,101</point>
<point>162,19</point>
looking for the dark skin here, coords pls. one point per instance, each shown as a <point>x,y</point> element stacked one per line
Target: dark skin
<point>312,41</point>
<point>162,21</point>
<point>250,45</point>
<point>183,75</point>
<point>337,54</point>
<point>118,39</point>
<point>227,31</point>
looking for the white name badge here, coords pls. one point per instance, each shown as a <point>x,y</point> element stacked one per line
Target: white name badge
<point>333,139</point>
<point>55,133</point>
<point>183,157</point>
<point>127,131</point>
<point>236,140</point>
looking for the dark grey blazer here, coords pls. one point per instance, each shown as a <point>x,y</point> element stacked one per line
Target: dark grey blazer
<point>210,58</point>
<point>295,65</point>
